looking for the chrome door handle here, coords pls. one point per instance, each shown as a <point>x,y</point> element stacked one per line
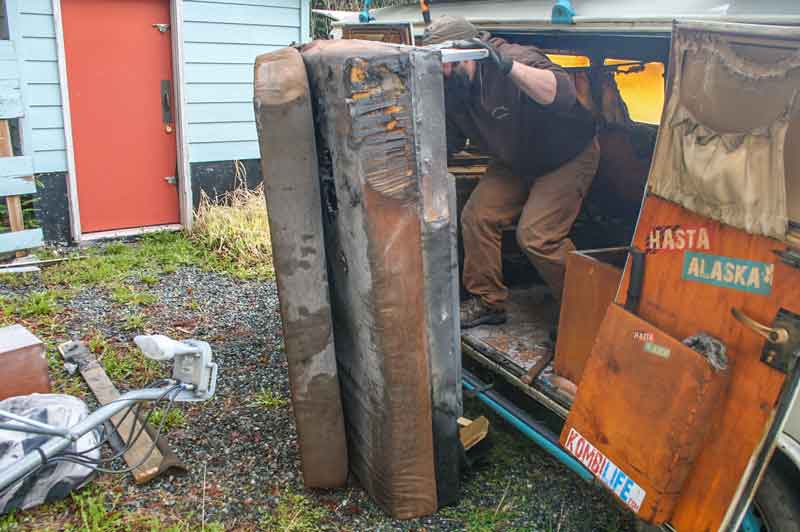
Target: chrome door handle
<point>775,335</point>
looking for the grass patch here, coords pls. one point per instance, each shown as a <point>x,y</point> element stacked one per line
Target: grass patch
<point>126,367</point>
<point>175,419</point>
<point>235,228</point>
<point>126,295</point>
<point>135,322</point>
<point>34,305</point>
<point>268,399</point>
<point>295,513</point>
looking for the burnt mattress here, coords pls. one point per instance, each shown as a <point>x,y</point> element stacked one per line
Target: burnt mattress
<point>291,185</point>
<point>389,217</point>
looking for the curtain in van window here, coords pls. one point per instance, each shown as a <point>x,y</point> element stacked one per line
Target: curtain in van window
<point>720,151</point>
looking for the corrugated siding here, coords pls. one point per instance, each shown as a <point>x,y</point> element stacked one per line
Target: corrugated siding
<point>221,41</point>
<point>40,73</point>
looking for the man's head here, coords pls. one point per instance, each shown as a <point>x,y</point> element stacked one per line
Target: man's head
<point>446,28</point>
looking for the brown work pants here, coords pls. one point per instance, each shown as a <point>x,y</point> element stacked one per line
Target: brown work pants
<point>547,208</point>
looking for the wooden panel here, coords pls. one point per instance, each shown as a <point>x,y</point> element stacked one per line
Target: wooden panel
<point>219,92</point>
<point>17,186</point>
<point>271,33</point>
<point>10,103</point>
<point>30,238</point>
<point>48,139</point>
<point>40,72</point>
<point>223,151</point>
<point>39,49</point>
<point>37,25</point>
<point>205,52</point>
<point>219,73</point>
<point>590,285</point>
<point>50,161</point>
<point>16,166</point>
<point>644,402</point>
<point>263,3</point>
<point>46,117</point>
<point>44,94</point>
<point>682,308</point>
<point>205,113</point>
<point>7,50</point>
<point>227,132</point>
<point>42,7</point>
<point>25,369</point>
<point>280,13</point>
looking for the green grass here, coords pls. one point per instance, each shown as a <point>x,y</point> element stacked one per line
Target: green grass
<point>135,322</point>
<point>175,419</point>
<point>268,399</point>
<point>98,512</point>
<point>40,304</point>
<point>126,295</point>
<point>295,513</point>
<point>127,367</point>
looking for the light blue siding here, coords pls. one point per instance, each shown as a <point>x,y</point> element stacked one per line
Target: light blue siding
<point>38,50</point>
<point>221,41</point>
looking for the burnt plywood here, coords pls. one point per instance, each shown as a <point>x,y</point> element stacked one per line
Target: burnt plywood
<point>683,307</point>
<point>645,403</point>
<point>590,285</point>
<point>291,186</point>
<point>389,229</point>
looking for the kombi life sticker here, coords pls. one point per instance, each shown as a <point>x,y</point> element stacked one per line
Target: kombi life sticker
<point>739,274</point>
<point>655,349</point>
<point>613,477</point>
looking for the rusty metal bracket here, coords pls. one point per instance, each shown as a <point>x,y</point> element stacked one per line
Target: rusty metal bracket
<point>783,355</point>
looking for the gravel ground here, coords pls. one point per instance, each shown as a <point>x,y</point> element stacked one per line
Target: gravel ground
<point>247,453</point>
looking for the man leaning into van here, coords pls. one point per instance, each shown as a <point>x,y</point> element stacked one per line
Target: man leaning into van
<point>521,109</point>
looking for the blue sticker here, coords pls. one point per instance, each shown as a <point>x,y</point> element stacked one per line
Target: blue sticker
<point>739,274</point>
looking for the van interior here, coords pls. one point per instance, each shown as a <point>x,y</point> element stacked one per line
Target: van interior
<point>621,80</point>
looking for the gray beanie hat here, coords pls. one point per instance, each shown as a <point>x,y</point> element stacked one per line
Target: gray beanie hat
<point>446,28</point>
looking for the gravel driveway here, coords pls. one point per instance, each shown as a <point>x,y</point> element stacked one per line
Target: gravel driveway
<point>247,451</point>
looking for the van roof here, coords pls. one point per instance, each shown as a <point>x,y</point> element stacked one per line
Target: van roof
<point>625,16</point>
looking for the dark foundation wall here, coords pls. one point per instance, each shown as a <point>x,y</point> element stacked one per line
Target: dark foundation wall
<point>52,206</point>
<point>219,177</point>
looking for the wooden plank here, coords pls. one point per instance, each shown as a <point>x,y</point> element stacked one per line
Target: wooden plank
<point>37,25</point>
<point>219,73</point>
<point>39,7</point>
<point>205,113</point>
<point>20,166</point>
<point>28,239</point>
<point>10,103</point>
<point>105,392</point>
<point>223,151</point>
<point>270,33</point>
<point>682,308</point>
<point>219,92</point>
<point>39,49</point>
<point>7,50</point>
<point>16,186</point>
<point>223,132</point>
<point>282,13</point>
<point>48,139</point>
<point>204,52</point>
<point>15,219</point>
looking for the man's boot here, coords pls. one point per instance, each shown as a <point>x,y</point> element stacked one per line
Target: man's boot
<point>475,312</point>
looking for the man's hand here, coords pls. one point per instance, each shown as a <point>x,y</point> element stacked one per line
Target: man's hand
<point>503,63</point>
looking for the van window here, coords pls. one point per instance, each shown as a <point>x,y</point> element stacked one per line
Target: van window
<point>569,60</point>
<point>641,86</point>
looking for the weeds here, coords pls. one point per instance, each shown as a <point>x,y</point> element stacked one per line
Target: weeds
<point>175,419</point>
<point>295,513</point>
<point>34,305</point>
<point>126,367</point>
<point>135,322</point>
<point>98,511</point>
<point>268,399</point>
<point>126,295</point>
<point>236,229</point>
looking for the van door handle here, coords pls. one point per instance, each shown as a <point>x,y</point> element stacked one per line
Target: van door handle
<point>166,102</point>
<point>775,335</point>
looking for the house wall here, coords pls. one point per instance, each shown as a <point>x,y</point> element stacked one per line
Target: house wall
<point>221,39</point>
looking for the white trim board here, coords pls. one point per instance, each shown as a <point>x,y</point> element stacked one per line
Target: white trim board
<point>184,173</point>
<point>133,231</point>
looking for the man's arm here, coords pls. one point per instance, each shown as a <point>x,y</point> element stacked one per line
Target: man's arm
<point>537,83</point>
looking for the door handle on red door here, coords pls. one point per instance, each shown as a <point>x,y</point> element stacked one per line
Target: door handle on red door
<point>166,103</point>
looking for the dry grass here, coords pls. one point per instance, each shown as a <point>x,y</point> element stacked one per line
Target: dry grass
<point>235,227</point>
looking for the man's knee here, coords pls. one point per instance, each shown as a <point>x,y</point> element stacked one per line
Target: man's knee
<point>533,242</point>
<point>474,215</point>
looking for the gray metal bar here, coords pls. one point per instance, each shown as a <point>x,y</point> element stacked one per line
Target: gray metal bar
<point>52,447</point>
<point>33,423</point>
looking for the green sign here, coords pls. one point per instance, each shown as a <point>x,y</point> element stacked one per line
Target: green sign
<point>739,274</point>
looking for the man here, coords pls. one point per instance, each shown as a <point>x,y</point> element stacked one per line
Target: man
<point>520,109</point>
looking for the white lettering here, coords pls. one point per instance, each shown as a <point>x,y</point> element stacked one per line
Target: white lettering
<point>754,279</point>
<point>702,239</point>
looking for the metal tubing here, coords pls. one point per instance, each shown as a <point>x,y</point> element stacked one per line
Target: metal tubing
<point>33,423</point>
<point>472,384</point>
<point>28,429</point>
<point>52,447</point>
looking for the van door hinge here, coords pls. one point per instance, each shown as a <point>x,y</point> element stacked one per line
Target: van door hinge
<point>171,179</point>
<point>162,28</point>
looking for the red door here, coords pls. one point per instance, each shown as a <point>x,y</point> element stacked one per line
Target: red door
<point>119,67</point>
